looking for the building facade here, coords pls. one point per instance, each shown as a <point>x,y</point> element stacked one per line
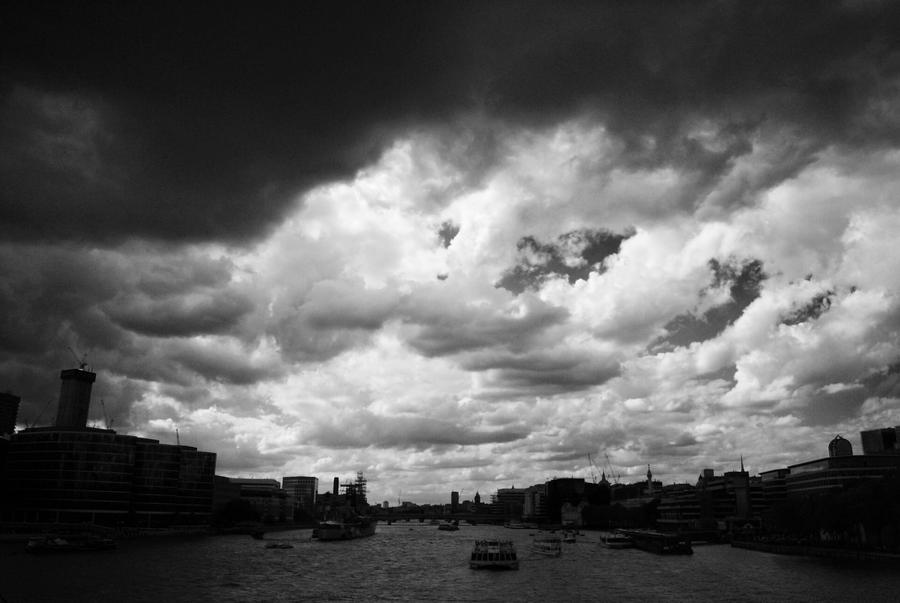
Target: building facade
<point>71,473</point>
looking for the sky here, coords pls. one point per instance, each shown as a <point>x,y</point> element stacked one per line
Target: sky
<point>456,245</point>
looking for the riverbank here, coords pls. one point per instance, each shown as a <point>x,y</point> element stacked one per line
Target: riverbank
<point>815,551</point>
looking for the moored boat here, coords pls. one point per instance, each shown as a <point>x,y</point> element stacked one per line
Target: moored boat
<point>449,526</point>
<point>494,554</point>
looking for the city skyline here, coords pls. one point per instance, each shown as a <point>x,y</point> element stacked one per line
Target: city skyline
<point>457,243</point>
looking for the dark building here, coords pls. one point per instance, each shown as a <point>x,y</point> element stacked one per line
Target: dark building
<point>560,491</point>
<point>9,410</point>
<point>774,486</point>
<point>71,473</point>
<point>718,502</point>
<point>454,502</point>
<point>880,441</point>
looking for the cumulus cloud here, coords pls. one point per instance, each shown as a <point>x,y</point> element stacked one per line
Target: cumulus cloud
<point>664,236</point>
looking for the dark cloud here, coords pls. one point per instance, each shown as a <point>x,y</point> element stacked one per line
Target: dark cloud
<point>574,255</point>
<point>447,232</point>
<point>333,316</point>
<point>442,329</point>
<point>744,281</point>
<point>813,309</point>
<point>542,373</point>
<point>214,312</point>
<point>178,122</point>
<point>364,428</point>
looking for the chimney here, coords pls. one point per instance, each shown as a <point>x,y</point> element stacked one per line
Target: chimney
<point>337,486</point>
<point>74,398</point>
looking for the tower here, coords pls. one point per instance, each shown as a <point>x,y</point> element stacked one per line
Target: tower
<point>649,481</point>
<point>74,398</point>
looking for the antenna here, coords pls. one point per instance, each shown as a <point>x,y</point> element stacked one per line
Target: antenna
<point>177,439</point>
<point>106,418</point>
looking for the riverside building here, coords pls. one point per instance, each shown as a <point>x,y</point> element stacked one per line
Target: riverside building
<point>70,473</point>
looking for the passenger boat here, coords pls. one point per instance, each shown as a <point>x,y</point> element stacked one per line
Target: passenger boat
<point>279,545</point>
<point>70,543</point>
<point>494,554</point>
<point>568,536</point>
<point>449,526</point>
<point>550,546</point>
<point>617,540</point>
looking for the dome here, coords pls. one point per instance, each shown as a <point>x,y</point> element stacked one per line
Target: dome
<point>840,447</point>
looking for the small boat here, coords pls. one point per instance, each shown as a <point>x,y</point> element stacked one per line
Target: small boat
<point>494,554</point>
<point>617,540</point>
<point>279,545</point>
<point>449,526</point>
<point>568,536</point>
<point>550,546</point>
<point>70,543</point>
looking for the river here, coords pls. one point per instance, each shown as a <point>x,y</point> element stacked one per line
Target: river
<point>417,562</point>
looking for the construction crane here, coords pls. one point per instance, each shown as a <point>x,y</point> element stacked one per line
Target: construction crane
<point>591,465</point>
<point>82,362</point>
<point>612,474</point>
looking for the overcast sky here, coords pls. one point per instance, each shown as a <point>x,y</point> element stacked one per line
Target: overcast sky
<point>457,245</point>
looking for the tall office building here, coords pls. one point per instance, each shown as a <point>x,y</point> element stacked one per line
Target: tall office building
<point>454,502</point>
<point>303,489</point>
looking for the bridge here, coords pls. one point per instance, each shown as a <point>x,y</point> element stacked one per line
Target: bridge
<point>412,516</point>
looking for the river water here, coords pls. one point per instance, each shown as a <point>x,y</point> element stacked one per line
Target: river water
<point>417,562</point>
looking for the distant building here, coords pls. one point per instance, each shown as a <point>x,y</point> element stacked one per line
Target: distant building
<point>265,496</point>
<point>534,507</point>
<point>508,503</point>
<point>880,441</point>
<point>71,473</point>
<point>454,502</point>
<point>303,489</point>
